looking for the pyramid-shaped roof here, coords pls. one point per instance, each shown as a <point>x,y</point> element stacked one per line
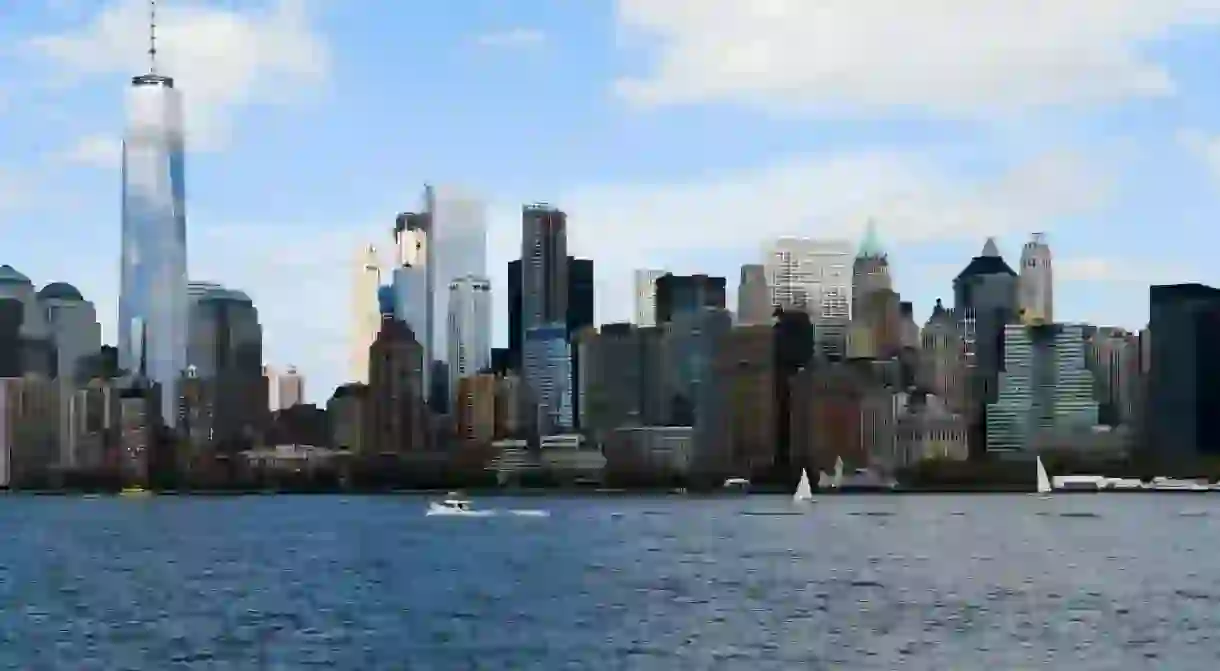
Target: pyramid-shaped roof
<point>988,262</point>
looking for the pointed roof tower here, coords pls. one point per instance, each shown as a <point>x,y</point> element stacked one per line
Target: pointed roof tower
<point>870,246</point>
<point>988,262</point>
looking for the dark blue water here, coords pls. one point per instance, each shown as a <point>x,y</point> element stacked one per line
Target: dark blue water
<point>371,583</point>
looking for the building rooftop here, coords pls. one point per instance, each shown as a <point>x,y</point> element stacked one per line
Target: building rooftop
<point>60,291</point>
<point>11,275</point>
<point>988,262</point>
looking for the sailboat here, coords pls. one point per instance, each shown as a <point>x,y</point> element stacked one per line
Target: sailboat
<point>1044,481</point>
<point>837,481</point>
<point>804,493</point>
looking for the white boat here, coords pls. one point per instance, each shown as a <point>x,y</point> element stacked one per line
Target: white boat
<point>457,507</point>
<point>804,493</point>
<point>736,484</point>
<point>1044,482</point>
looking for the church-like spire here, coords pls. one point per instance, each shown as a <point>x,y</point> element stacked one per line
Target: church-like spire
<point>990,249</point>
<point>870,246</point>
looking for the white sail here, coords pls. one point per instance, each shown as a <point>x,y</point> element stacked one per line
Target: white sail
<point>803,491</point>
<point>838,477</point>
<point>1044,482</point>
<point>824,481</point>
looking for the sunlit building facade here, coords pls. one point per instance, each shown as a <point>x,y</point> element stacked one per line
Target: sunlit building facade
<point>469,328</point>
<point>152,323</point>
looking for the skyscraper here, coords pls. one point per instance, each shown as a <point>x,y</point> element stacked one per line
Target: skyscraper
<point>870,271</point>
<point>366,313</point>
<point>682,294</point>
<point>579,312</point>
<point>814,276</point>
<point>458,228</point>
<point>469,337</point>
<point>290,389</point>
<point>645,281</point>
<point>414,280</point>
<point>152,322</point>
<point>1184,374</point>
<point>546,362</point>
<point>753,296</point>
<point>1035,284</point>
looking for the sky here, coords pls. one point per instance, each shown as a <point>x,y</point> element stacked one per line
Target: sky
<point>677,134</point>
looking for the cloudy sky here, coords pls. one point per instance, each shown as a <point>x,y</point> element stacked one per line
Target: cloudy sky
<point>677,133</point>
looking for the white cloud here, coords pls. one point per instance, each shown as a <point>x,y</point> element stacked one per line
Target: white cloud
<point>98,151</point>
<point>514,38</point>
<point>221,58</point>
<point>961,59</point>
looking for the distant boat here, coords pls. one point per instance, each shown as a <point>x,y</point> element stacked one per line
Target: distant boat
<point>736,484</point>
<point>804,493</point>
<point>134,492</point>
<point>1044,482</point>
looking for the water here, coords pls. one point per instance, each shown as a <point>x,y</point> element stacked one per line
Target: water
<point>916,582</point>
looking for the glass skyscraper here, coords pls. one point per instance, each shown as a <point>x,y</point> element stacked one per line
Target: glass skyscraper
<point>153,306</point>
<point>459,243</point>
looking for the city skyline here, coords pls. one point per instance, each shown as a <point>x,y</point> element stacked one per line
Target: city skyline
<point>936,185</point>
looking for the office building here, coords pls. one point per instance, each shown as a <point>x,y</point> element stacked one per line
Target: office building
<point>75,335</point>
<point>645,283</point>
<point>1184,372</point>
<point>547,365</point>
<point>1045,389</point>
<point>870,271</point>
<point>687,294</point>
<point>580,303</point>
<point>414,279</point>
<point>225,351</point>
<point>814,276</point>
<point>25,342</point>
<point>458,228</point>
<point>152,322</point>
<point>395,419</point>
<point>1035,283</point>
<point>290,388</point>
<point>754,296</point>
<point>469,337</point>
<point>365,311</point>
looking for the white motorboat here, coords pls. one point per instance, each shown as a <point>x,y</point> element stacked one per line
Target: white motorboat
<point>804,492</point>
<point>455,506</point>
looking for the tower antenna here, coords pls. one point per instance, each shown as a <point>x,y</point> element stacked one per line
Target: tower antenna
<point>152,36</point>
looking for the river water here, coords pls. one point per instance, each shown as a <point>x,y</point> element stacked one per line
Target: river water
<point>911,582</point>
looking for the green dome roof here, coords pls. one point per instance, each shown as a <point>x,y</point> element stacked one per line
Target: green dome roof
<point>9,274</point>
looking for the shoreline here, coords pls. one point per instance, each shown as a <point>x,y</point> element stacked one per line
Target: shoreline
<point>582,492</point>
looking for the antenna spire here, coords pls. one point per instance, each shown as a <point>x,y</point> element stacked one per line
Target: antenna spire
<point>152,36</point>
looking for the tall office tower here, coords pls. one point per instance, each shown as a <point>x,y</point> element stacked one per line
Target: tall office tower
<point>459,244</point>
<point>1035,285</point>
<point>1045,391</point>
<point>984,301</point>
<point>547,362</point>
<point>414,280</point>
<point>1114,359</point>
<point>469,337</point>
<point>685,294</point>
<point>290,389</point>
<point>226,351</point>
<point>754,296</point>
<point>366,313</point>
<point>814,276</point>
<point>870,271</point>
<point>1184,372</point>
<point>75,336</point>
<point>544,268</point>
<point>579,313</point>
<point>646,296</point>
<point>153,307</point>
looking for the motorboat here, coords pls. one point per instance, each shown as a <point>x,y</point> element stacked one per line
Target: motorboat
<point>134,492</point>
<point>736,485</point>
<point>455,505</point>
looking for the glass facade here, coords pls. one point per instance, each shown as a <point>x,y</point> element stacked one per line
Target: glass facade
<point>549,376</point>
<point>459,241</point>
<point>153,308</point>
<point>469,328</point>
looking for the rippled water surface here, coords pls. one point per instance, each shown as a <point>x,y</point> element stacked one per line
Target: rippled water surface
<point>915,582</point>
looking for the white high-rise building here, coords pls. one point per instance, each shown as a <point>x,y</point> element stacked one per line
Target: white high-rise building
<point>413,281</point>
<point>469,326</point>
<point>458,229</point>
<point>289,388</point>
<point>646,296</point>
<point>814,276</point>
<point>366,313</point>
<point>1035,283</point>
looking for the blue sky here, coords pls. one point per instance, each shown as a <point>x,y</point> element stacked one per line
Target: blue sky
<point>677,133</point>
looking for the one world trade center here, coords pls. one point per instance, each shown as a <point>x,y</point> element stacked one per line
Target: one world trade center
<point>152,321</point>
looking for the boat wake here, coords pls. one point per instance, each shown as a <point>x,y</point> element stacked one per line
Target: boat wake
<point>438,510</point>
<point>530,513</point>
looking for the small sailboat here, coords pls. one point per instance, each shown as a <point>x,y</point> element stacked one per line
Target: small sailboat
<point>1044,481</point>
<point>804,492</point>
<point>837,480</point>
